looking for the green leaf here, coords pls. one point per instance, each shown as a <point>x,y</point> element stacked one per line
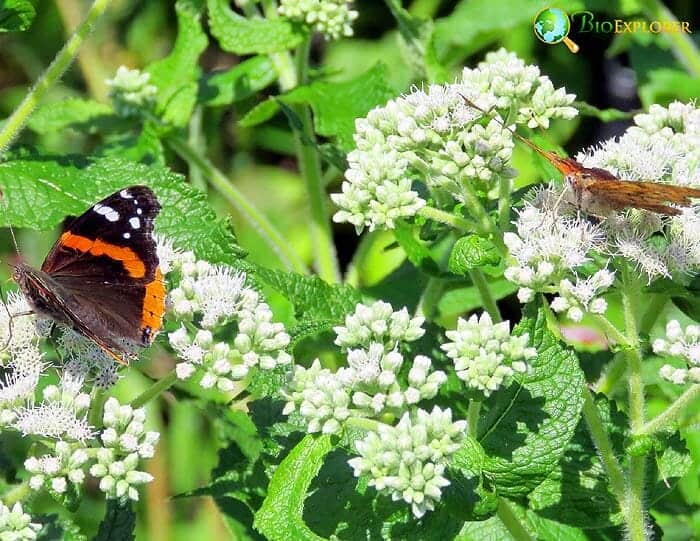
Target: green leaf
<point>176,75</point>
<point>308,328</point>
<point>40,192</point>
<point>664,85</point>
<point>530,423</point>
<point>16,15</point>
<point>671,464</point>
<point>262,112</point>
<point>416,252</point>
<point>336,106</point>
<point>239,35</point>
<point>472,252</point>
<point>460,299</point>
<point>280,517</point>
<point>118,523</point>
<point>237,83</point>
<point>56,528</point>
<point>74,113</point>
<point>313,299</point>
<point>146,147</point>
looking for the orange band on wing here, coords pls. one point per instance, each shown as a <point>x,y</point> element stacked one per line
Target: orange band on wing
<point>153,305</point>
<point>132,262</point>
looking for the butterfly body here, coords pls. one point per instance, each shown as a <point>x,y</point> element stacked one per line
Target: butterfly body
<point>102,277</point>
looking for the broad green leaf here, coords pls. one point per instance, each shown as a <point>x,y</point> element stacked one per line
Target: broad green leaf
<point>118,523</point>
<point>529,424</point>
<point>262,112</point>
<point>308,328</point>
<point>461,299</point>
<point>336,106</point>
<point>417,252</point>
<point>671,464</point>
<point>240,35</point>
<point>40,192</point>
<point>663,85</point>
<point>237,83</point>
<point>176,76</point>
<point>605,115</point>
<point>74,113</point>
<point>55,528</point>
<point>472,252</point>
<point>16,15</point>
<point>280,517</point>
<point>313,299</point>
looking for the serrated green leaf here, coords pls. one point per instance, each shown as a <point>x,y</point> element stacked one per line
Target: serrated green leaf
<point>311,296</point>
<point>74,113</point>
<point>16,15</point>
<point>472,252</point>
<point>280,516</point>
<point>672,464</point>
<point>336,106</point>
<point>146,147</point>
<point>529,424</point>
<point>308,328</point>
<point>40,192</point>
<point>55,528</point>
<point>262,112</point>
<point>239,35</point>
<point>237,83</point>
<point>176,76</point>
<point>118,523</point>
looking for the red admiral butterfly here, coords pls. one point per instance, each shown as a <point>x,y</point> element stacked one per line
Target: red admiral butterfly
<point>102,276</point>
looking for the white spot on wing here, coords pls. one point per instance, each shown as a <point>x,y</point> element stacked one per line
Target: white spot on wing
<point>127,235</point>
<point>139,211</point>
<point>108,212</point>
<point>126,195</point>
<point>134,222</point>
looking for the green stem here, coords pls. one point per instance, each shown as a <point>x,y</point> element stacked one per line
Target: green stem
<point>487,300</point>
<point>97,404</point>
<point>250,213</point>
<point>424,9</point>
<point>654,310</point>
<point>611,331</point>
<point>196,141</point>
<point>462,224</point>
<point>672,413</point>
<point>483,220</point>
<point>155,390</point>
<point>16,494</point>
<point>682,44</point>
<point>473,417</point>
<point>505,186</point>
<point>14,124</point>
<point>635,515</point>
<point>430,297</point>
<point>614,371</point>
<point>511,522</point>
<point>604,447</point>
<point>363,423</point>
<point>352,275</point>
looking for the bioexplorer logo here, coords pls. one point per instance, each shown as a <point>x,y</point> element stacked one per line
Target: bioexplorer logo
<point>552,25</point>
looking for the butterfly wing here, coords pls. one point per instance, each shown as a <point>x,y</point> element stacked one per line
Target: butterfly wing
<point>652,196</point>
<point>106,266</point>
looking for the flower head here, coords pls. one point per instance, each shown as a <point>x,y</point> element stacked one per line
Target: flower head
<point>683,344</point>
<point>131,92</point>
<point>57,471</point>
<point>332,18</point>
<point>16,525</point>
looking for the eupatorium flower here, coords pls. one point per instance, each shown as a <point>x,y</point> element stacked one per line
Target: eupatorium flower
<point>432,136</point>
<point>683,344</point>
<point>131,91</point>
<point>332,18</point>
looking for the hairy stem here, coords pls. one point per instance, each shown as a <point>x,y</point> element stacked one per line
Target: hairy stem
<point>511,522</point>
<point>16,494</point>
<point>604,446</point>
<point>487,299</point>
<point>233,195</point>
<point>462,224</point>
<point>505,186</point>
<point>614,371</point>
<point>473,417</point>
<point>97,404</point>
<point>672,413</point>
<point>155,390</point>
<point>16,121</point>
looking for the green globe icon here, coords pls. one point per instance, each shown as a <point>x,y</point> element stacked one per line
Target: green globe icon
<point>552,26</point>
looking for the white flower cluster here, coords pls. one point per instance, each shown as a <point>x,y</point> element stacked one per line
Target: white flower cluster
<point>61,415</point>
<point>332,18</point>
<point>20,336</point>
<point>663,147</point>
<point>125,441</point>
<point>432,135</point>
<point>684,344</point>
<point>582,296</point>
<point>85,359</point>
<point>131,92</point>
<point>407,461</point>
<point>56,471</point>
<point>16,525</point>
<point>369,386</point>
<point>485,354</point>
<point>207,297</point>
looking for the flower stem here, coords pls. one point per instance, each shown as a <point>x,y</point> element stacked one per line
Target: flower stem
<point>484,222</point>
<point>14,124</point>
<point>155,390</point>
<point>613,372</point>
<point>654,310</point>
<point>463,224</point>
<point>682,44</point>
<point>505,186</point>
<point>363,423</point>
<point>511,522</point>
<point>604,446</point>
<point>99,397</point>
<point>473,417</point>
<point>16,494</point>
<point>487,300</point>
<point>430,297</point>
<point>252,215</point>
<point>672,413</point>
<point>611,331</point>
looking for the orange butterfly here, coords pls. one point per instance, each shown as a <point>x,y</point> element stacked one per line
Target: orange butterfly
<point>596,186</point>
